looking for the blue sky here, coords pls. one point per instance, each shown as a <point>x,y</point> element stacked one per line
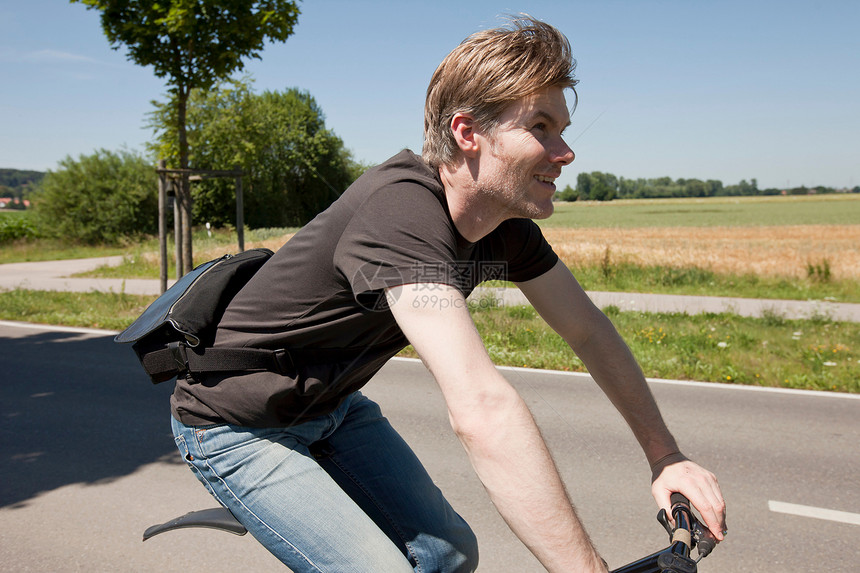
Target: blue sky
<point>714,90</point>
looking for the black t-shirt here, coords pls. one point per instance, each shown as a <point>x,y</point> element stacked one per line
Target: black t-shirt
<point>321,295</point>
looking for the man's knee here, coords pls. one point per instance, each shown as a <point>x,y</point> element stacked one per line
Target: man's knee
<point>463,555</point>
<point>468,547</point>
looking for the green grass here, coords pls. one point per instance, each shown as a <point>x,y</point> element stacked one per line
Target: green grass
<point>841,209</point>
<point>628,277</point>
<point>693,281</point>
<point>135,267</point>
<point>111,311</point>
<point>53,250</point>
<point>769,351</point>
<point>20,250</point>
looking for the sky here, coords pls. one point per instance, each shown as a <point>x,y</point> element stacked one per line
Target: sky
<point>765,90</point>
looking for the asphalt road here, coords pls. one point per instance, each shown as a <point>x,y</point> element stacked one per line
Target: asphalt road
<point>87,462</point>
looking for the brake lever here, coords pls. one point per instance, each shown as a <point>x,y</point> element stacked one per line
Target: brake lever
<point>663,518</point>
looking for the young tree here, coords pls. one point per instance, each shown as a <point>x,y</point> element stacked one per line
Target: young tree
<point>295,167</point>
<point>193,44</point>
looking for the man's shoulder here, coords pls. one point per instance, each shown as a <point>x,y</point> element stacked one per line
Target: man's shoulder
<point>402,185</point>
<point>405,167</point>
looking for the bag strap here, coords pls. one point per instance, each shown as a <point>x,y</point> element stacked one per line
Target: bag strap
<point>163,363</point>
<point>177,356</point>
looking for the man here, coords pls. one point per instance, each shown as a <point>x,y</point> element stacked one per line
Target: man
<point>306,462</point>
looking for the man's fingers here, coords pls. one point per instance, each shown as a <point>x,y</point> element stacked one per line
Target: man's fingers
<point>715,514</point>
<point>700,487</point>
<point>708,501</point>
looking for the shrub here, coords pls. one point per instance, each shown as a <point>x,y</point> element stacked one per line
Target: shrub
<point>819,272</point>
<point>99,198</point>
<point>15,227</point>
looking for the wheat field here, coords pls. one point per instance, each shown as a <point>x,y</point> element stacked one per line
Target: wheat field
<point>766,251</point>
<point>773,251</point>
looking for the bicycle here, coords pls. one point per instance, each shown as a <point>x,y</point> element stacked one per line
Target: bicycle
<point>687,534</point>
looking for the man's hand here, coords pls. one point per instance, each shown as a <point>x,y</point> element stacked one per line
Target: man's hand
<point>678,474</point>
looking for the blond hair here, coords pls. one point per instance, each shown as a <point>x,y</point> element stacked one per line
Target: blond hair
<point>487,72</point>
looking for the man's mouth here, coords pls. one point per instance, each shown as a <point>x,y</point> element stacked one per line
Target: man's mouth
<point>545,179</point>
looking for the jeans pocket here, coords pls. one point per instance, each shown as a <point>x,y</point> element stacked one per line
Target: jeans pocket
<point>183,450</point>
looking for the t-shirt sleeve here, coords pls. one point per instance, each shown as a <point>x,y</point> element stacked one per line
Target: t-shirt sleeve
<point>521,246</point>
<point>399,228</point>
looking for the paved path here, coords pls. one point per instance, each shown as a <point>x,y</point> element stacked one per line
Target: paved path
<point>54,275</point>
<point>698,304</point>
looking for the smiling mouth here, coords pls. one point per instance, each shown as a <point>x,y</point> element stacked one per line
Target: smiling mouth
<point>545,179</point>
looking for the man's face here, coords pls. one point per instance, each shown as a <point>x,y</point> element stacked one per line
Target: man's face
<point>525,155</point>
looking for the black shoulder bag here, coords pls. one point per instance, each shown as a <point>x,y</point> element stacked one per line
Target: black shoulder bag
<point>174,335</point>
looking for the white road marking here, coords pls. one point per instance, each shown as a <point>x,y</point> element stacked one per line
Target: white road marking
<point>814,512</point>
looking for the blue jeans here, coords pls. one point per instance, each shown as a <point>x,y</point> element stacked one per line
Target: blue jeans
<point>341,493</point>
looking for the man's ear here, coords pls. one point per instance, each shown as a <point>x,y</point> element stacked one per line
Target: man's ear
<point>464,129</point>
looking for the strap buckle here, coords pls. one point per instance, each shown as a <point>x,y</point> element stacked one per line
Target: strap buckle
<point>283,361</point>
<point>179,352</point>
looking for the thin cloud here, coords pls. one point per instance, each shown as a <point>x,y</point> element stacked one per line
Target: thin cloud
<point>50,57</point>
<point>59,57</point>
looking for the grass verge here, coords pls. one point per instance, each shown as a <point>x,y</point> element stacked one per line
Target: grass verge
<point>142,256</point>
<point>111,311</point>
<point>657,279</point>
<point>769,351</point>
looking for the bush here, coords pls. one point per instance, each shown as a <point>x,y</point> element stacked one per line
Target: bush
<point>100,198</point>
<point>17,226</point>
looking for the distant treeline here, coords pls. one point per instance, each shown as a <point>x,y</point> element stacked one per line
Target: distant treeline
<point>17,184</point>
<point>597,186</point>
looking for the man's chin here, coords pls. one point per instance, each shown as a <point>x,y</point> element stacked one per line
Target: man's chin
<point>543,211</point>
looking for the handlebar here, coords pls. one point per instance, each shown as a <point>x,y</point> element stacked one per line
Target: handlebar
<point>686,535</point>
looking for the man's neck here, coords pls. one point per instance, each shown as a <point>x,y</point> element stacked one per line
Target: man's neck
<point>473,216</point>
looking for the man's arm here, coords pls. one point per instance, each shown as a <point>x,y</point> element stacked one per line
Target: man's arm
<point>495,427</point>
<point>560,300</point>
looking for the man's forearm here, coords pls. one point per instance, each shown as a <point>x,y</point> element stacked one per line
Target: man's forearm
<point>560,300</point>
<point>567,309</point>
<point>613,367</point>
<point>616,371</point>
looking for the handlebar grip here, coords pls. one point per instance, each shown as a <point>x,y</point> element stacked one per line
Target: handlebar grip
<point>706,544</point>
<point>677,498</point>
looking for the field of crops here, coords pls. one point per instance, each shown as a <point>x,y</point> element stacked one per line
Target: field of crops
<point>768,237</point>
<point>841,209</point>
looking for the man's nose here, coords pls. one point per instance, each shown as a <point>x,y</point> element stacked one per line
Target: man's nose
<point>563,154</point>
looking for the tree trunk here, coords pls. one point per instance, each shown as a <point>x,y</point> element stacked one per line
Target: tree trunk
<point>183,194</point>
